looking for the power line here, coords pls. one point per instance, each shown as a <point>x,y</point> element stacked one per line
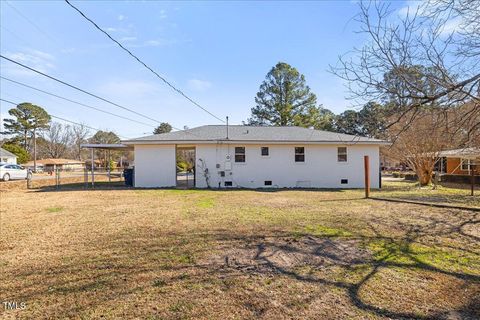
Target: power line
<point>31,22</point>
<point>63,119</point>
<point>81,90</point>
<point>143,63</point>
<point>76,102</point>
<point>13,34</point>
<point>86,92</point>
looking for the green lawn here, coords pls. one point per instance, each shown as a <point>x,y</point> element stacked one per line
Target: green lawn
<point>243,254</point>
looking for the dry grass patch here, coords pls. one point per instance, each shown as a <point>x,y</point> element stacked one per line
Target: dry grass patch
<point>446,193</point>
<point>180,254</point>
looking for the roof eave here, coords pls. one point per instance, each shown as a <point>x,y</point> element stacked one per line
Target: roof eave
<point>149,142</point>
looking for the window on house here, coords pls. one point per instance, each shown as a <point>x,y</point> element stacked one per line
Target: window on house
<point>466,164</point>
<point>265,151</point>
<point>268,182</point>
<point>342,154</point>
<point>239,154</point>
<point>228,183</point>
<point>344,181</point>
<point>299,154</point>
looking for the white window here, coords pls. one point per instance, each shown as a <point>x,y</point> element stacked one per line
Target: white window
<point>299,154</point>
<point>239,154</point>
<point>342,154</point>
<point>466,164</point>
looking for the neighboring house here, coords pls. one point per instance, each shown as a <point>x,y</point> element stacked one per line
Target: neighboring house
<point>458,161</point>
<point>96,164</point>
<point>50,165</point>
<point>258,157</point>
<point>7,156</point>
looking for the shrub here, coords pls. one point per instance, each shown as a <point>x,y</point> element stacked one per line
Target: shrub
<point>20,152</point>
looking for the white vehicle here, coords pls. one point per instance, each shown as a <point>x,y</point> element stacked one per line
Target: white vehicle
<point>10,171</point>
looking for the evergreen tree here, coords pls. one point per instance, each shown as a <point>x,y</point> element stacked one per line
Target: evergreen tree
<point>28,119</point>
<point>284,99</point>
<point>163,127</point>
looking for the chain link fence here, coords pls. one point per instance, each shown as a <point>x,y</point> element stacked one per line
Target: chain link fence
<point>73,178</point>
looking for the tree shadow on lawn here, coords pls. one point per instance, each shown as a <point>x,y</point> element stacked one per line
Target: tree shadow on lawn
<point>106,270</point>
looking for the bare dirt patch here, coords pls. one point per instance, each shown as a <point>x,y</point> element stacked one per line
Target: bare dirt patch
<point>280,255</point>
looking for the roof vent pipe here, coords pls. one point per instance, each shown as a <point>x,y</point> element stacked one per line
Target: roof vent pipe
<point>227,127</point>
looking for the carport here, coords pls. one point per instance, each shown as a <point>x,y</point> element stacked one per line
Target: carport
<point>103,146</point>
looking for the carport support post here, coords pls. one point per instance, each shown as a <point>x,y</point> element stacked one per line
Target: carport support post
<point>57,177</point>
<point>366,164</point>
<point>109,179</point>
<point>92,166</point>
<point>85,176</point>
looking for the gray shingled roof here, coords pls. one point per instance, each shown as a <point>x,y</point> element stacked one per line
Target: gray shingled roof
<point>5,153</point>
<point>253,133</point>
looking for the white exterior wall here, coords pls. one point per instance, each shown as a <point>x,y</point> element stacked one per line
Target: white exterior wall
<point>320,169</point>
<point>11,160</point>
<point>155,166</point>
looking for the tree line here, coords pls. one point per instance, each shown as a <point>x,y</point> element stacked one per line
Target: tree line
<point>33,135</point>
<point>416,78</point>
<point>417,134</point>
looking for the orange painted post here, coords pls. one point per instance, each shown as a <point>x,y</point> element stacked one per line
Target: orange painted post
<point>367,176</point>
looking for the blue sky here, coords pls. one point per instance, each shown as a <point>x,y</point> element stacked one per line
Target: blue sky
<point>218,53</point>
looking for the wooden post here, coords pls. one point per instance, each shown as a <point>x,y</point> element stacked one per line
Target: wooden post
<point>29,180</point>
<point>472,179</point>
<point>367,176</point>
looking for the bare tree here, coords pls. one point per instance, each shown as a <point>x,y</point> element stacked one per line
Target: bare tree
<point>426,57</point>
<point>419,143</point>
<point>58,139</point>
<point>79,133</point>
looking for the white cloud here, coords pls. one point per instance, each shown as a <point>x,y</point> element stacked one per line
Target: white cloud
<point>110,29</point>
<point>120,17</point>
<point>163,14</point>
<point>36,59</point>
<point>199,85</point>
<point>411,8</point>
<point>156,43</point>
<point>126,39</point>
<point>153,43</point>
<point>128,88</point>
<point>451,26</point>
<point>69,50</point>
